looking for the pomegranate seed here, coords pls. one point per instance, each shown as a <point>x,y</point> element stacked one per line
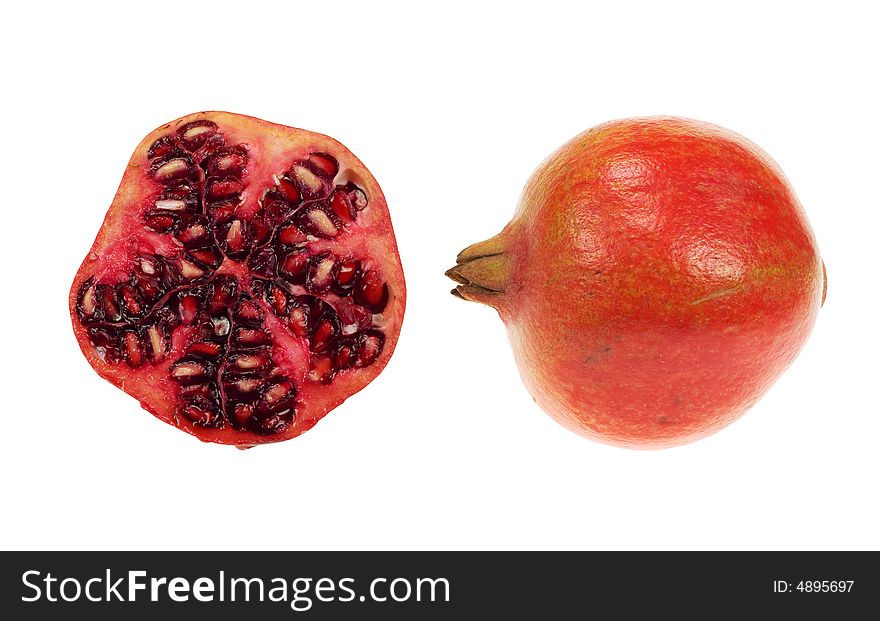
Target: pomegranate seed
<point>235,237</point>
<point>369,347</point>
<point>260,231</point>
<point>271,424</point>
<point>207,390</point>
<point>222,212</point>
<point>131,300</point>
<point>159,222</point>
<point>371,292</point>
<point>251,362</point>
<point>320,275</point>
<point>194,135</point>
<point>88,301</point>
<point>184,192</point>
<point>205,349</point>
<point>189,372</point>
<point>298,322</point>
<point>324,163</point>
<point>105,342</point>
<point>277,299</point>
<point>248,312</point>
<point>287,189</point>
<point>172,170</point>
<point>345,355</point>
<point>247,337</point>
<point>316,222</point>
<point>209,257</point>
<point>202,412</point>
<point>342,207</point>
<point>247,384</point>
<point>189,271</point>
<point>345,274</point>
<point>131,348</point>
<point>276,398</point>
<point>293,266</point>
<point>157,343</point>
<point>170,204</point>
<point>228,163</point>
<point>262,262</point>
<point>107,296</point>
<point>224,188</point>
<point>193,235</point>
<point>322,336</point>
<point>223,294</point>
<point>291,235</point>
<point>242,413</point>
<point>189,308</point>
<point>162,147</point>
<point>309,183</point>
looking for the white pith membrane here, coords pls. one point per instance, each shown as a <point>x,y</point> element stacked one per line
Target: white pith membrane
<point>237,281</point>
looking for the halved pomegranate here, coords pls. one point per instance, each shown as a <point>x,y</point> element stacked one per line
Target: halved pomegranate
<point>245,282</point>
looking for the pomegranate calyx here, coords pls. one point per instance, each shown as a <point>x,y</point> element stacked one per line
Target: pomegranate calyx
<point>482,271</point>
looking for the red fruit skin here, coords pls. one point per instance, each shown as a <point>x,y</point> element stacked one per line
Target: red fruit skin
<point>660,275</point>
<point>272,148</point>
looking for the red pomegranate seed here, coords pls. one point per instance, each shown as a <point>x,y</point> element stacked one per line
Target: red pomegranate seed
<point>200,413</point>
<point>225,164</point>
<point>162,147</point>
<point>235,236</point>
<point>209,257</point>
<point>160,222</point>
<point>156,341</point>
<point>322,336</point>
<point>193,135</point>
<point>224,188</point>
<point>294,265</point>
<point>298,322</point>
<point>206,349</point>
<point>132,300</point>
<point>291,235</point>
<point>189,372</point>
<point>132,349</point>
<point>324,163</point>
<point>288,190</point>
<point>248,312</point>
<point>346,271</point>
<point>251,362</point>
<point>109,303</point>
<point>372,292</point>
<point>342,207</point>
<point>278,300</point>
<point>309,183</point>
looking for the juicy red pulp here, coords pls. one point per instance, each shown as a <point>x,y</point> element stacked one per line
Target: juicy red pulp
<point>225,283</point>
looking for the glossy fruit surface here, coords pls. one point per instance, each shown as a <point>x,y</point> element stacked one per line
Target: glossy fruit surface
<point>658,276</point>
<point>245,281</point>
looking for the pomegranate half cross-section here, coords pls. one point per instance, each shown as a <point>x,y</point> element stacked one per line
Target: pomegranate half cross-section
<point>245,282</point>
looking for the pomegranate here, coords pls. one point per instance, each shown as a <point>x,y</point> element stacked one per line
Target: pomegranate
<point>658,276</point>
<point>245,281</point>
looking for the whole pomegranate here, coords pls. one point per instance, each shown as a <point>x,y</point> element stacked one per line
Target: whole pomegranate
<point>245,282</point>
<point>658,276</point>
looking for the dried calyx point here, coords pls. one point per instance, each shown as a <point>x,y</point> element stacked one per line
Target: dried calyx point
<point>482,271</point>
<point>235,274</point>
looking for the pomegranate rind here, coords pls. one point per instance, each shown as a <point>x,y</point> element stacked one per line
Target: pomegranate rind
<point>272,148</point>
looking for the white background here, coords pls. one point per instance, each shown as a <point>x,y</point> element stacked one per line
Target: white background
<point>451,106</point>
